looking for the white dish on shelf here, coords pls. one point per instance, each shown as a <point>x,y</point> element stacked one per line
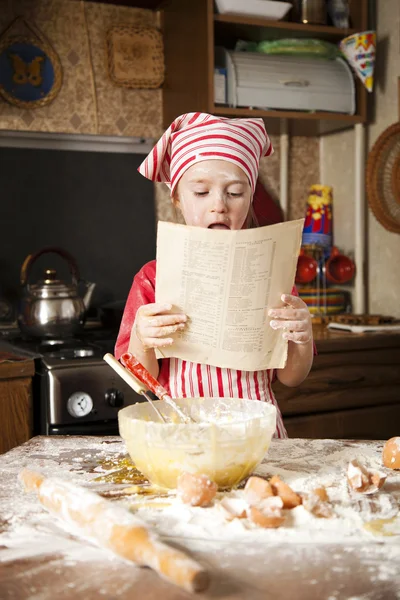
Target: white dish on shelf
<point>268,9</point>
<point>364,328</point>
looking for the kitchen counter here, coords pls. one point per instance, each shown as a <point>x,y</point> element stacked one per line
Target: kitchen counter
<point>352,390</point>
<point>16,411</point>
<point>320,559</point>
<point>330,339</point>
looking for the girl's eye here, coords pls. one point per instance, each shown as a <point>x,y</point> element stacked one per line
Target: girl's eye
<point>235,194</point>
<point>200,193</point>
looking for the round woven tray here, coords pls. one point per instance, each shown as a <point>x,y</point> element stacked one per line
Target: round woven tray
<point>383,178</point>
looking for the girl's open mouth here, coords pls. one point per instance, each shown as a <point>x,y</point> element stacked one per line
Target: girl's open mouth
<point>218,226</point>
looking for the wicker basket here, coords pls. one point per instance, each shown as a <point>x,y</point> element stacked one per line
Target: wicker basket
<point>383,178</point>
<point>135,56</point>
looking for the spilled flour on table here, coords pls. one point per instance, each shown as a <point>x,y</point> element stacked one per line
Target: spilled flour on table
<point>27,531</point>
<point>355,514</point>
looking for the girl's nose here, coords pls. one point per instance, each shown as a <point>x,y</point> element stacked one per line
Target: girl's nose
<point>218,203</point>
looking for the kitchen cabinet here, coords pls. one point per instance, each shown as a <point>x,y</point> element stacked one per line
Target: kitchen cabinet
<point>16,403</point>
<point>191,32</point>
<point>351,392</point>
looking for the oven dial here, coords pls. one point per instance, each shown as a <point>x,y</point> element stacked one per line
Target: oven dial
<point>114,397</point>
<point>79,404</point>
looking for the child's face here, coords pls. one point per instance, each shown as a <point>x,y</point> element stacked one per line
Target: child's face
<point>215,194</point>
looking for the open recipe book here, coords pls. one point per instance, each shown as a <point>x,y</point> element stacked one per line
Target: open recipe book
<point>225,282</point>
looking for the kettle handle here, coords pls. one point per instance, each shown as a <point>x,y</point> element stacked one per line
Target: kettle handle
<point>31,258</point>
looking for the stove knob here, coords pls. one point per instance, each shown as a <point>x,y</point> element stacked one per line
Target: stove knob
<point>114,397</point>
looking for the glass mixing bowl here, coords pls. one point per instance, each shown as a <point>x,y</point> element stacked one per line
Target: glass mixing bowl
<point>228,440</point>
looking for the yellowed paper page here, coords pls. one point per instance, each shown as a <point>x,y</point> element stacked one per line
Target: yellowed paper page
<point>225,282</point>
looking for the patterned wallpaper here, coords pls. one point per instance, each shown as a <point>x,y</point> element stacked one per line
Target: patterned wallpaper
<point>90,103</point>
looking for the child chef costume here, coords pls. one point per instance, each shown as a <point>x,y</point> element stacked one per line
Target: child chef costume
<point>192,138</point>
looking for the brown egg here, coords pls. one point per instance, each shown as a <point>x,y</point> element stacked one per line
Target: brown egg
<point>284,491</point>
<point>257,489</point>
<point>196,490</point>
<point>391,453</point>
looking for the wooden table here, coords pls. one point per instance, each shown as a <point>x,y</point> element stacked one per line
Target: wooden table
<point>359,567</point>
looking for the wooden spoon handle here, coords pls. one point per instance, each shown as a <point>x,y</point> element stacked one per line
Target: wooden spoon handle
<point>140,372</point>
<point>132,364</point>
<point>130,379</point>
<point>126,375</point>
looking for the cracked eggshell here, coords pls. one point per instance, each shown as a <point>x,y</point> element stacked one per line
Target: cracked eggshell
<point>271,505</point>
<point>363,481</point>
<point>357,476</point>
<point>196,490</point>
<point>267,521</point>
<point>280,488</point>
<point>377,479</point>
<point>317,503</point>
<point>256,490</point>
<point>321,493</point>
<point>233,508</point>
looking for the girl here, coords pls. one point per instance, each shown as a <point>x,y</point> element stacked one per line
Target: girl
<point>211,166</point>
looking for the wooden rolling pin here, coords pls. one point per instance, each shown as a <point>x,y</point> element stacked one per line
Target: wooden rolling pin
<point>115,528</point>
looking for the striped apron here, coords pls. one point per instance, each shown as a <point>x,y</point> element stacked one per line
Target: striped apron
<point>191,380</point>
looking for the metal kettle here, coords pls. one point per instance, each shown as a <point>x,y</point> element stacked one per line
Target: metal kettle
<point>52,308</point>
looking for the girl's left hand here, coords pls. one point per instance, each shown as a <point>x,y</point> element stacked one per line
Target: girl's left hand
<point>294,319</point>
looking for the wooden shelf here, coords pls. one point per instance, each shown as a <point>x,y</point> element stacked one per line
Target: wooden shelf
<point>322,31</point>
<point>220,109</point>
<point>149,4</point>
<point>192,31</point>
<point>307,124</point>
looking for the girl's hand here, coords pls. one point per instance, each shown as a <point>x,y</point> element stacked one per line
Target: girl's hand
<point>153,324</point>
<point>294,319</point>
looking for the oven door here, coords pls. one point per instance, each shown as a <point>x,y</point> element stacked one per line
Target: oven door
<point>82,397</point>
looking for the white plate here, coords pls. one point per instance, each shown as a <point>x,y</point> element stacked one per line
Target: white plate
<point>364,328</point>
<point>268,9</point>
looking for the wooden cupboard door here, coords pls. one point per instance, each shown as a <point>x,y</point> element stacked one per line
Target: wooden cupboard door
<point>16,416</point>
<point>344,380</point>
<point>373,423</point>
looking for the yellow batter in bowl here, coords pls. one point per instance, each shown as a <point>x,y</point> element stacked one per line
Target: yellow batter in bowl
<point>228,440</point>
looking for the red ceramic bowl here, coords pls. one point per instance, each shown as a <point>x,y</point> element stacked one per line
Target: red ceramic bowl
<point>306,268</point>
<point>339,268</point>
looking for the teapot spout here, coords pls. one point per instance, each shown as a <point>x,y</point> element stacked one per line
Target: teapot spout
<point>88,294</point>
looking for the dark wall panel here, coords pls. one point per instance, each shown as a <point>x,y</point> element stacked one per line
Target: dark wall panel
<point>93,204</point>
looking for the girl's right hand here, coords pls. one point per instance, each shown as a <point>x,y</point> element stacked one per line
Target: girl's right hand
<point>153,324</point>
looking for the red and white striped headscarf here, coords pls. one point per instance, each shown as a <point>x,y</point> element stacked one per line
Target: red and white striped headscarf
<point>195,137</point>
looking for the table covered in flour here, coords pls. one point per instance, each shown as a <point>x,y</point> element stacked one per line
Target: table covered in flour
<point>354,555</point>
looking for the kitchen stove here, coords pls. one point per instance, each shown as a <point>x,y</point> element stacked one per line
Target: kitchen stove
<point>74,391</point>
